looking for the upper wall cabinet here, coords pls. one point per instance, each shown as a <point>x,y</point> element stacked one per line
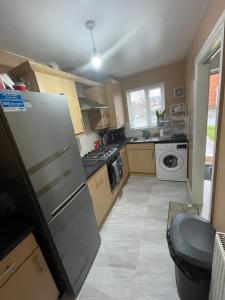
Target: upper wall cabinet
<point>115,103</point>
<point>47,80</point>
<point>99,119</point>
<point>96,93</point>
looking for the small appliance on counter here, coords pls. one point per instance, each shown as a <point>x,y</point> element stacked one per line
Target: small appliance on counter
<point>115,136</point>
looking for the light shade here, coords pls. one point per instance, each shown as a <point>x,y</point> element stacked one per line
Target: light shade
<point>96,61</point>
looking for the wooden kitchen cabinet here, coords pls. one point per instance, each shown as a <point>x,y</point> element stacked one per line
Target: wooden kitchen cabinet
<point>46,80</point>
<point>123,155</point>
<point>16,258</point>
<point>100,191</point>
<point>115,103</point>
<point>30,280</point>
<point>99,119</point>
<point>141,158</point>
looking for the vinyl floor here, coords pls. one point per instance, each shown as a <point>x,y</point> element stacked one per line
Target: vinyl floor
<point>133,262</point>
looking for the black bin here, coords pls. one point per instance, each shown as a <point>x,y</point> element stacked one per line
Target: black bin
<point>191,243</point>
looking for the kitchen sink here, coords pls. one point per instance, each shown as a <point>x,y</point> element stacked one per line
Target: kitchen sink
<point>141,139</point>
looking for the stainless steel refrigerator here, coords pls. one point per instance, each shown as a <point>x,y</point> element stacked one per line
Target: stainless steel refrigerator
<point>45,146</point>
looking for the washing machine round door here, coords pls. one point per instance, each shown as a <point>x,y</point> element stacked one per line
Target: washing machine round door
<point>171,161</point>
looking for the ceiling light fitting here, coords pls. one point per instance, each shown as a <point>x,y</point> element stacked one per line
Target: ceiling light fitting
<point>96,60</point>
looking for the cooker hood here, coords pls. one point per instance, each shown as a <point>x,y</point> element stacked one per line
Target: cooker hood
<point>88,104</point>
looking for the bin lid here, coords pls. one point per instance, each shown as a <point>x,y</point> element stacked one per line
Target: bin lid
<point>192,239</point>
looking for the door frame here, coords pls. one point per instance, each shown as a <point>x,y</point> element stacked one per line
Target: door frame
<point>201,87</point>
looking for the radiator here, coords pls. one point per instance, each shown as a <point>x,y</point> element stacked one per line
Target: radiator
<point>217,289</point>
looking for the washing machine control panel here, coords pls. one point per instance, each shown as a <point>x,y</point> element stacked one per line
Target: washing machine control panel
<point>182,146</point>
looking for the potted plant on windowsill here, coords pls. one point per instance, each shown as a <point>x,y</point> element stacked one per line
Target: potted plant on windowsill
<point>160,114</point>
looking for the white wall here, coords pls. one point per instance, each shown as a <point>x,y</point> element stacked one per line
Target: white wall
<point>86,140</point>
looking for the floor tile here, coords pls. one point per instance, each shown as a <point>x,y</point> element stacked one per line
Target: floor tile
<point>119,254</point>
<point>133,262</point>
<point>112,283</point>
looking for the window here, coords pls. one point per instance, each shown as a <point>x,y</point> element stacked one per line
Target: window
<point>142,105</point>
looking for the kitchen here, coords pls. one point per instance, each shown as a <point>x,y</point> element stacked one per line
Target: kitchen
<point>106,168</point>
<point>92,167</point>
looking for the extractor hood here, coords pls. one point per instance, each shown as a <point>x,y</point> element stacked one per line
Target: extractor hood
<point>88,104</point>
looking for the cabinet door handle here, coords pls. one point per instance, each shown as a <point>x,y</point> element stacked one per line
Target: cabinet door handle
<point>39,262</point>
<point>153,155</point>
<point>8,269</point>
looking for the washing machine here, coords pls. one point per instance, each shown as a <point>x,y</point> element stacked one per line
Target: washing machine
<point>171,161</point>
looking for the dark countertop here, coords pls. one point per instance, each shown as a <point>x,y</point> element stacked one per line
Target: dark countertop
<point>90,170</point>
<point>158,140</point>
<point>12,232</point>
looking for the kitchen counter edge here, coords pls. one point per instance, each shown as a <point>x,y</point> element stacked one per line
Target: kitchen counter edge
<point>13,232</point>
<point>91,170</point>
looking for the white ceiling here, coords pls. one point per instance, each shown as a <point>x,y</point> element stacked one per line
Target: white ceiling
<point>131,35</point>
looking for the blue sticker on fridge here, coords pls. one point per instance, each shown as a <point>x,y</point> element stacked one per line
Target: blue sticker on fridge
<point>12,101</point>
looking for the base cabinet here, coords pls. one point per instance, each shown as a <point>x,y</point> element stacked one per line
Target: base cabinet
<point>100,191</point>
<point>141,158</point>
<point>31,281</point>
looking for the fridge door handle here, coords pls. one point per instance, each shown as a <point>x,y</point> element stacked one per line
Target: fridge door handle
<point>36,168</point>
<point>60,208</point>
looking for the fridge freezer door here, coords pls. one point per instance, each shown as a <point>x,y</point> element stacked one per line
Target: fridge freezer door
<point>57,181</point>
<point>76,237</point>
<point>45,139</point>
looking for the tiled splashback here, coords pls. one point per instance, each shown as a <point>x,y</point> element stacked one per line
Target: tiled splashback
<point>86,140</point>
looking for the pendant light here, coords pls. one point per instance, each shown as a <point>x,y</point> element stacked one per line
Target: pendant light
<point>96,60</point>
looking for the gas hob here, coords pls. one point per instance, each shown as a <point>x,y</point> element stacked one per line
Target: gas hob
<point>102,154</point>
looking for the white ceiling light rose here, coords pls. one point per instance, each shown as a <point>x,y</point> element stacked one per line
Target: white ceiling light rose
<point>95,60</point>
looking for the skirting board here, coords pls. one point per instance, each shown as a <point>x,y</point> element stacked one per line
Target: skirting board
<point>143,174</point>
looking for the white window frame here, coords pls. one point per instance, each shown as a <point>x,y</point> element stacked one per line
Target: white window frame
<point>145,88</point>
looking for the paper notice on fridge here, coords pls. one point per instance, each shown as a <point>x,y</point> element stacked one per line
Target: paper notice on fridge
<point>12,101</point>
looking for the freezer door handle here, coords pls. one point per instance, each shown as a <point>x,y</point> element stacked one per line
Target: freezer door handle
<point>60,208</point>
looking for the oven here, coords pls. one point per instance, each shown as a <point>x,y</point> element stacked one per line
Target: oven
<point>115,171</point>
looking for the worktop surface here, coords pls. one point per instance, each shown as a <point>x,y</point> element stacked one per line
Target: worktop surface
<point>160,140</point>
<point>92,169</point>
<point>12,232</point>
